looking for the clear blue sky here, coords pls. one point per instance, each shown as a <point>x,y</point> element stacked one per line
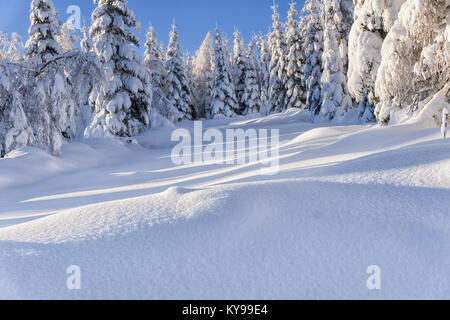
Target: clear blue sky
<point>194,18</point>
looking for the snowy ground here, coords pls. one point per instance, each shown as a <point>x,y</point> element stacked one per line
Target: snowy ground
<point>346,197</point>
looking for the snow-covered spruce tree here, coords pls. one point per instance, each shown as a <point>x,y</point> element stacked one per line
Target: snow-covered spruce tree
<point>398,86</point>
<point>228,51</point>
<point>155,62</point>
<point>223,95</point>
<point>48,98</point>
<point>344,21</point>
<point>178,91</point>
<point>189,72</point>
<point>42,46</point>
<point>252,93</point>
<point>85,76</point>
<point>203,75</point>
<point>55,111</point>
<point>83,72</point>
<point>86,43</point>
<point>295,61</point>
<point>154,59</point>
<point>336,100</point>
<point>277,82</point>
<point>239,69</point>
<point>254,45</point>
<point>36,107</point>
<point>432,71</point>
<point>373,20</point>
<point>123,101</point>
<point>312,15</point>
<point>364,57</point>
<point>59,111</point>
<point>15,129</point>
<point>333,76</point>
<point>265,58</point>
<point>66,37</point>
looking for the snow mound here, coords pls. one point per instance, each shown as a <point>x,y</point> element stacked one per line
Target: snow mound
<point>104,220</point>
<point>431,114</point>
<point>76,156</point>
<point>229,242</point>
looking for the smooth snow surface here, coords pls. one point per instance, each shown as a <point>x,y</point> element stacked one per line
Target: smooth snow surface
<point>139,227</point>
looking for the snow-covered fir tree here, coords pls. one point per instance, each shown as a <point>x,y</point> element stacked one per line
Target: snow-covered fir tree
<point>312,14</point>
<point>252,94</point>
<point>254,45</point>
<point>228,51</point>
<point>59,111</point>
<point>86,42</point>
<point>66,37</point>
<point>203,75</point>
<point>265,58</point>
<point>43,32</point>
<point>178,91</point>
<point>40,110</point>
<point>239,69</point>
<point>344,21</point>
<point>365,41</point>
<point>154,59</point>
<point>373,20</point>
<point>55,112</point>
<point>295,84</point>
<point>124,99</point>
<point>38,106</point>
<point>85,75</point>
<point>15,128</point>
<point>189,72</point>
<point>223,95</point>
<point>277,82</point>
<point>336,100</point>
<point>333,76</point>
<point>402,81</point>
<point>432,71</point>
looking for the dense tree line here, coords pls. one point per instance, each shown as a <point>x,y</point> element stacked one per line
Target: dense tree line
<point>360,60</point>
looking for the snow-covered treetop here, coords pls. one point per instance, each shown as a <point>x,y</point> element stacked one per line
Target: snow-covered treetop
<point>112,17</point>
<point>44,29</point>
<point>238,44</point>
<point>223,95</point>
<point>152,48</point>
<point>66,37</point>
<point>174,48</point>
<point>292,17</point>
<point>277,25</point>
<point>86,42</point>
<point>204,58</point>
<point>178,85</point>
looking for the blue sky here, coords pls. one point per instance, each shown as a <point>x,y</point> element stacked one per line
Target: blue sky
<point>194,18</point>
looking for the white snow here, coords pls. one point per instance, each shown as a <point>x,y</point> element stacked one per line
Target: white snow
<point>346,198</point>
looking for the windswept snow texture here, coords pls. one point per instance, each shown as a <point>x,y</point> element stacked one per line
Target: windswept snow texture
<point>140,227</point>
